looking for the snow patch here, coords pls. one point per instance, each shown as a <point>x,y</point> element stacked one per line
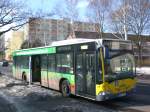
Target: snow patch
<point>143,70</point>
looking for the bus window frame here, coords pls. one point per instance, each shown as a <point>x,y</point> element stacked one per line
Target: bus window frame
<point>48,57</point>
<point>66,52</point>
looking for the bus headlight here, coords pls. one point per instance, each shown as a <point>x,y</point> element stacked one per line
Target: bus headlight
<point>104,93</point>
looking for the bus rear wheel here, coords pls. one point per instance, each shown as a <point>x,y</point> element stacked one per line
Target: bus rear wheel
<point>65,88</point>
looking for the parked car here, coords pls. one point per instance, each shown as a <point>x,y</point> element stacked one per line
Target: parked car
<point>5,63</point>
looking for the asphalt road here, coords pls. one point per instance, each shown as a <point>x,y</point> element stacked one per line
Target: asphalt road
<point>6,106</point>
<point>139,101</point>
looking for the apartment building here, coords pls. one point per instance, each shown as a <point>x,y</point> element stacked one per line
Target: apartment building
<point>2,47</point>
<point>48,30</point>
<point>13,42</point>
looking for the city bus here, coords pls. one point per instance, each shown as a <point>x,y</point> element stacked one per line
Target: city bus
<point>97,69</point>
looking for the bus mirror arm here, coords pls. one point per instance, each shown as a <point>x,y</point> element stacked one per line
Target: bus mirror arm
<point>104,50</point>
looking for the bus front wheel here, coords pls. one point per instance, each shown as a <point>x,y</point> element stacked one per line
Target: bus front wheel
<point>65,88</point>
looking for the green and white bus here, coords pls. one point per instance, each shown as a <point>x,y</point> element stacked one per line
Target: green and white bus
<point>97,69</point>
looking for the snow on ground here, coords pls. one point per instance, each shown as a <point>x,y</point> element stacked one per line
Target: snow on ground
<point>17,96</point>
<point>143,70</point>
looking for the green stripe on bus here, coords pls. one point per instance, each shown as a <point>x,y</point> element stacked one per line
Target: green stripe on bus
<point>35,51</point>
<point>55,75</point>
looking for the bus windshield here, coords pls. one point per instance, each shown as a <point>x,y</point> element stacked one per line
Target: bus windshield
<point>119,65</point>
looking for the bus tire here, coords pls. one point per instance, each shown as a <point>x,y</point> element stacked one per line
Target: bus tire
<point>65,88</point>
<point>24,77</point>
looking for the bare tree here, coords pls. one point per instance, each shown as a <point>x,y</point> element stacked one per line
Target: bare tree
<point>30,44</point>
<point>100,12</point>
<point>69,12</point>
<point>72,14</point>
<point>71,9</point>
<point>137,19</point>
<point>119,20</point>
<point>12,15</point>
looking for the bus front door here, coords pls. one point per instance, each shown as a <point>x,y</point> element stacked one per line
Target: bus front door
<point>36,68</point>
<point>85,74</point>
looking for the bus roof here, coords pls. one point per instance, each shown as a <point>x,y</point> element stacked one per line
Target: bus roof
<point>82,40</point>
<point>72,41</point>
<point>64,42</point>
<point>51,48</point>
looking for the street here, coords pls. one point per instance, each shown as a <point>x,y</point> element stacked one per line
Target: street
<point>16,96</point>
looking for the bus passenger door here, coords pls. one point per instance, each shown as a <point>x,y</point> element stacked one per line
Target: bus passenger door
<point>85,74</point>
<point>36,68</point>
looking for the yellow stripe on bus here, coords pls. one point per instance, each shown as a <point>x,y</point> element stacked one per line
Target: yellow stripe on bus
<point>102,59</point>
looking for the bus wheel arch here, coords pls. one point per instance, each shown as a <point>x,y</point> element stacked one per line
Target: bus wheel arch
<point>24,76</point>
<point>64,86</point>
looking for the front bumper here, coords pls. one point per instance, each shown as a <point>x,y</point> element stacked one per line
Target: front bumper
<point>107,96</point>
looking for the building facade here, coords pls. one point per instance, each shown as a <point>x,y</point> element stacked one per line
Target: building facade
<point>48,30</point>
<point>14,41</point>
<point>2,47</point>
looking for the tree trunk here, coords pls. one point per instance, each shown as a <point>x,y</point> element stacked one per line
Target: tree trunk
<point>139,51</point>
<point>139,56</point>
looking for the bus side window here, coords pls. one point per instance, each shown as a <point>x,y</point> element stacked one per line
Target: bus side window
<point>64,63</point>
<point>43,62</point>
<point>58,65</point>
